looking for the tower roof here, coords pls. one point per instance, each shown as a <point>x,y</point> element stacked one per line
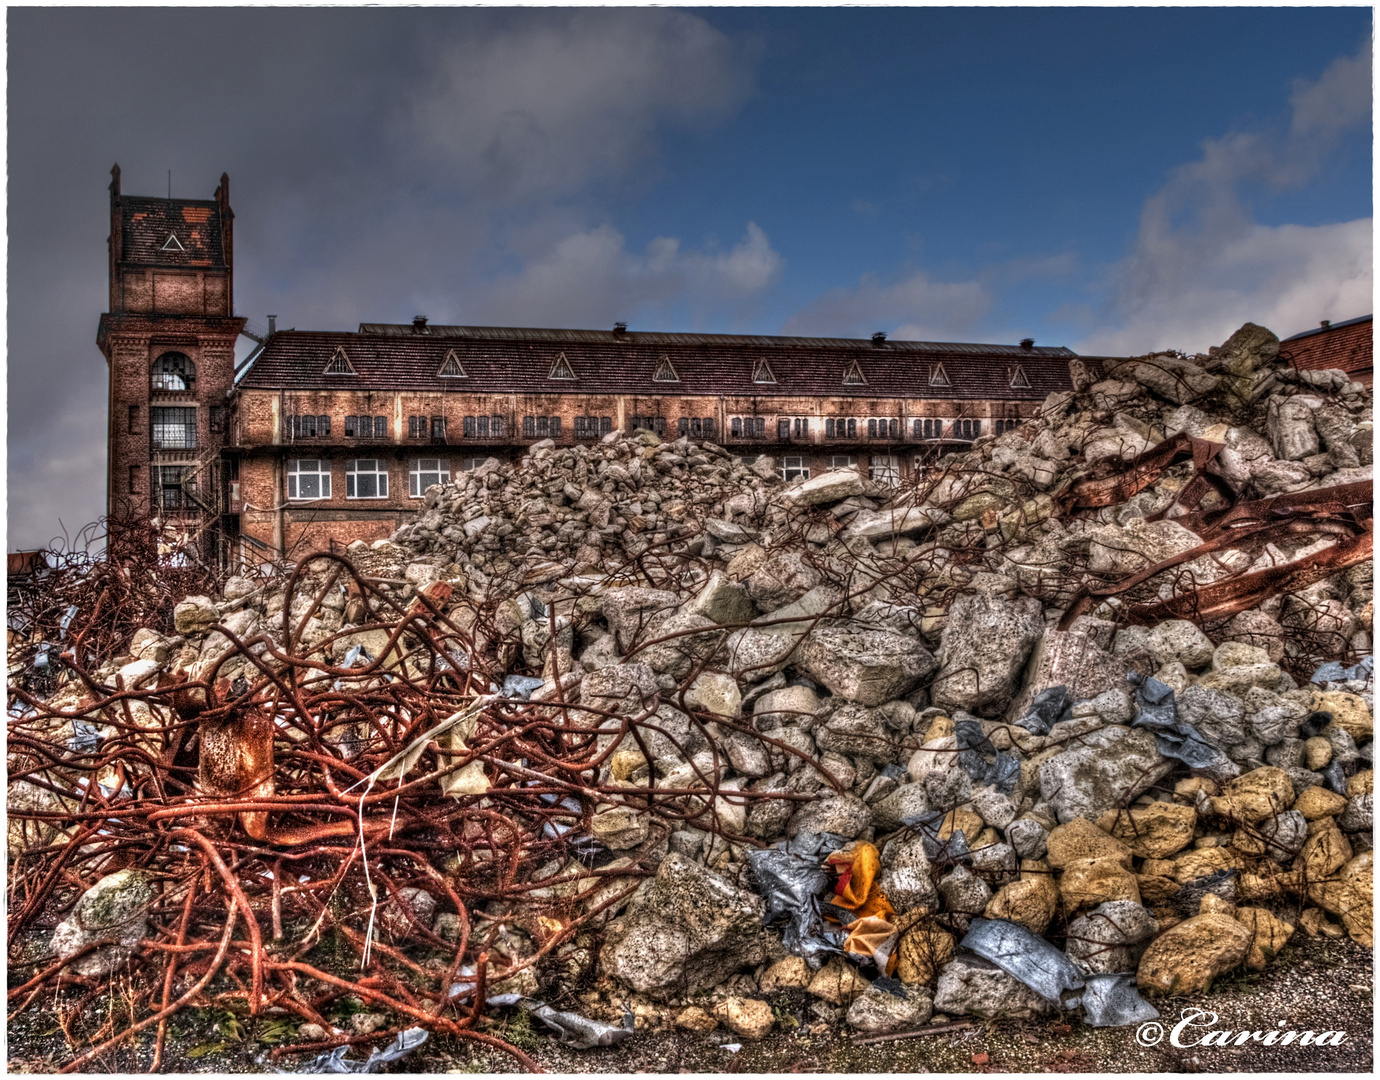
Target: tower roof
<point>171,232</point>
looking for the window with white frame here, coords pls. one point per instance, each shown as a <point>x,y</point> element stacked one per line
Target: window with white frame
<point>309,478</point>
<point>366,478</point>
<point>842,461</point>
<point>885,468</point>
<point>470,464</point>
<point>425,472</point>
<point>794,468</point>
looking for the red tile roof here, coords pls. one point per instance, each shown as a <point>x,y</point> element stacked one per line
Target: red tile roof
<point>499,360</point>
<point>147,224</point>
<point>1347,346</point>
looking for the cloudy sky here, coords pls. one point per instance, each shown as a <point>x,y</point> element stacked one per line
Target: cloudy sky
<point>1112,180</point>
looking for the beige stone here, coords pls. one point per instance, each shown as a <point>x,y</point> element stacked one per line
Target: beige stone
<point>1363,783</point>
<point>1081,839</point>
<point>748,1017</point>
<point>1351,904</point>
<point>624,763</point>
<point>921,952</point>
<point>1254,888</point>
<point>1212,904</point>
<point>1086,883</point>
<point>838,982</point>
<point>1268,935</point>
<point>1191,865</point>
<point>960,820</point>
<point>1156,888</point>
<point>1152,832</point>
<point>792,972</point>
<point>695,1019</point>
<point>1031,901</point>
<point>1314,923</point>
<point>1348,711</point>
<point>1317,802</point>
<point>1188,957</point>
<point>1324,852</point>
<point>1317,752</point>
<point>1256,795</point>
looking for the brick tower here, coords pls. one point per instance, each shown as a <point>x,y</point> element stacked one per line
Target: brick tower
<point>169,341</point>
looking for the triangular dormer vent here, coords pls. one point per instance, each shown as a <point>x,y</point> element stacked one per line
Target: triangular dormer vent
<point>561,369</point>
<point>172,243</point>
<point>761,372</point>
<point>451,368</point>
<point>938,376</point>
<point>854,376</point>
<point>1019,380</point>
<point>665,371</point>
<point>340,363</point>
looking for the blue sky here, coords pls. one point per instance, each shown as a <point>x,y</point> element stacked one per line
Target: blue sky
<point>1115,180</point>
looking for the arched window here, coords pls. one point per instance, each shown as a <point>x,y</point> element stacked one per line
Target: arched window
<point>173,371</point>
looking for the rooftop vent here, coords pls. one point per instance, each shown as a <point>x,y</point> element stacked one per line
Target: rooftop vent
<point>419,325</point>
<point>879,337</point>
<point>1326,324</point>
<point>619,329</point>
<point>272,325</point>
<point>1027,344</point>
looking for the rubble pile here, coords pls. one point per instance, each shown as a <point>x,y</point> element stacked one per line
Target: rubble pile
<point>1080,717</point>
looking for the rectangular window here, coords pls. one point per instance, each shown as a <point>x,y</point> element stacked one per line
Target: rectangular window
<point>783,430</point>
<point>216,419</point>
<point>696,427</point>
<point>413,423</point>
<point>169,491</point>
<point>174,428</point>
<point>852,428</point>
<point>438,429</point>
<point>967,429</point>
<point>380,427</point>
<point>467,427</point>
<point>496,427</point>
<point>555,427</point>
<point>928,428</point>
<point>885,469</point>
<point>794,468</point>
<point>683,425</point>
<point>591,427</point>
<point>872,428</point>
<point>351,426</point>
<point>366,478</point>
<point>802,427</point>
<point>842,461</point>
<point>133,419</point>
<point>708,427</point>
<point>529,427</point>
<point>425,472</point>
<point>309,478</point>
<point>473,463</point>
<point>736,427</point>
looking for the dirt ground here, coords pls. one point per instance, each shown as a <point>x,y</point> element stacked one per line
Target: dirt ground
<point>1317,985</point>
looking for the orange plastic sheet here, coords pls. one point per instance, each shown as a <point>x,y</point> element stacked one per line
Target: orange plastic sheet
<point>875,938</point>
<point>857,890</point>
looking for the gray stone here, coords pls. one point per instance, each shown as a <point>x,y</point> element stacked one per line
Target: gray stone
<point>906,878</point>
<point>687,645</point>
<point>906,801</point>
<point>876,525</point>
<point>1073,659</point>
<point>1110,937</point>
<point>1027,836</point>
<point>724,601</point>
<point>879,1011</point>
<point>1218,716</point>
<point>1169,376</point>
<point>1289,426</point>
<point>691,930</point>
<point>634,613</point>
<point>1106,770</point>
<point>986,643</point>
<point>971,986</point>
<point>1283,835</point>
<point>1179,640</point>
<point>964,892</point>
<point>828,487</point>
<point>767,818</point>
<point>859,733</point>
<point>995,809</point>
<point>782,578</point>
<point>996,863</point>
<point>866,666</point>
<point>623,689</point>
<point>195,615</point>
<point>846,815</point>
<point>789,705</point>
<point>1359,815</point>
<point>114,908</point>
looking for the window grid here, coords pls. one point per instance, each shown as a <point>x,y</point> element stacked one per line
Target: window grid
<point>309,478</point>
<point>366,478</point>
<point>425,472</point>
<point>174,428</point>
<point>794,468</point>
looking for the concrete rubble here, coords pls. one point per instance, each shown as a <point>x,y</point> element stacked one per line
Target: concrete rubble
<point>834,658</point>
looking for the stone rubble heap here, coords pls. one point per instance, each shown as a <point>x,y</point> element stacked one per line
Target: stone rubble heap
<point>836,662</point>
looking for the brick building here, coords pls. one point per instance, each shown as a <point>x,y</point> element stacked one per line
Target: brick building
<point>169,342</point>
<point>330,437</point>
<point>1347,346</point>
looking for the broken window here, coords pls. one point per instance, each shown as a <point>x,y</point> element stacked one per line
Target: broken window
<point>438,429</point>
<point>656,424</point>
<point>366,478</point>
<point>1019,380</point>
<point>339,363</point>
<point>174,428</point>
<point>425,472</point>
<point>216,420</point>
<point>842,461</point>
<point>854,376</point>
<point>173,371</point>
<point>561,369</point>
<point>592,427</point>
<point>783,429</point>
<point>169,491</point>
<point>794,468</point>
<point>308,478</point>
<point>541,427</point>
<point>885,469</point>
<point>762,373</point>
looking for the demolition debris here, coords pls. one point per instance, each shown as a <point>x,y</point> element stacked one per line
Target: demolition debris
<point>635,735</point>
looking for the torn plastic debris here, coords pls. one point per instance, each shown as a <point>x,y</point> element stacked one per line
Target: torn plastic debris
<point>66,621</point>
<point>579,1032</point>
<point>941,851</point>
<point>333,1061</point>
<point>1155,710</point>
<point>1334,776</point>
<point>791,885</point>
<point>521,686</point>
<point>858,867</point>
<point>874,939</point>
<point>974,747</point>
<point>1028,958</point>
<point>1046,710</point>
<point>1114,1001</point>
<point>1332,671</point>
<point>894,987</point>
<point>86,737</point>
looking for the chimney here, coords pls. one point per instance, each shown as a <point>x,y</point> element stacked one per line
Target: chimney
<point>1326,324</point>
<point>879,338</point>
<point>419,324</point>
<point>272,325</point>
<point>1027,344</point>
<point>619,329</point>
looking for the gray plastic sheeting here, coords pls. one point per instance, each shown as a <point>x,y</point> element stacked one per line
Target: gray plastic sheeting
<point>1107,1000</point>
<point>791,882</point>
<point>974,750</point>
<point>580,1032</point>
<point>334,1061</point>
<point>1155,706</point>
<point>1046,710</point>
<point>1332,671</point>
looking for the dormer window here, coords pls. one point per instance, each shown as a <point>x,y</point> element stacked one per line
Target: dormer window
<point>854,376</point>
<point>761,372</point>
<point>1019,380</point>
<point>451,368</point>
<point>561,369</point>
<point>665,372</point>
<point>339,363</point>
<point>172,243</point>
<point>938,376</point>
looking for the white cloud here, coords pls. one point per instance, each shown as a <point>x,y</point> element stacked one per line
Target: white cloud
<point>590,278</point>
<point>552,104</point>
<point>914,308</point>
<point>1201,265</point>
